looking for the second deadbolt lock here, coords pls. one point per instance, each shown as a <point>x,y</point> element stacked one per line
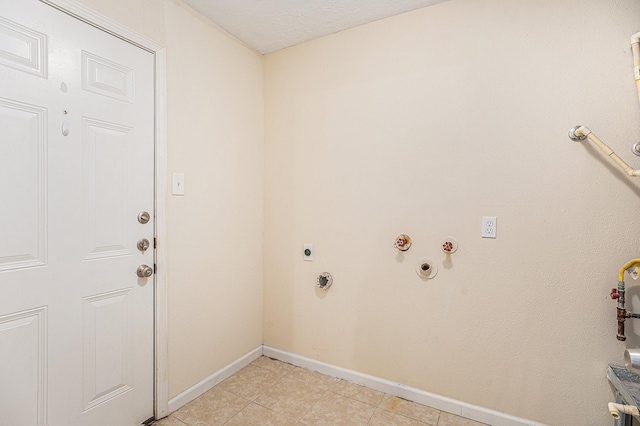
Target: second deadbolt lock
<point>143,245</point>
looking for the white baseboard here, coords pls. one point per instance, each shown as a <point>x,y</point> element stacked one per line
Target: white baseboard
<point>491,417</point>
<point>199,388</point>
<point>484,415</point>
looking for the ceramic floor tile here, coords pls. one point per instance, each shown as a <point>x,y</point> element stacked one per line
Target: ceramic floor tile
<point>169,421</point>
<point>357,392</point>
<point>410,409</point>
<point>211,409</point>
<point>259,416</point>
<point>279,367</point>
<point>285,395</point>
<point>338,410</point>
<point>311,378</point>
<point>387,418</point>
<point>447,419</point>
<point>291,397</point>
<point>250,382</point>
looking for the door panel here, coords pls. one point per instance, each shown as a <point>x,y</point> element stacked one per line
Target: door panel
<point>107,175</point>
<point>104,77</point>
<point>23,48</point>
<point>76,168</point>
<point>108,347</point>
<point>23,368</point>
<point>22,180</point>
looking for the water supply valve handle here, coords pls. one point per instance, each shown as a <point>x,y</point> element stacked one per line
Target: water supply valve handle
<point>614,293</point>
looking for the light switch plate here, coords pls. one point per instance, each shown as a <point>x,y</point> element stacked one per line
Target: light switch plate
<point>178,184</point>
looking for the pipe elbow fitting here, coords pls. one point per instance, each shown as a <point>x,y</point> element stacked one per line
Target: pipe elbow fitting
<point>583,131</point>
<point>616,409</point>
<point>578,133</point>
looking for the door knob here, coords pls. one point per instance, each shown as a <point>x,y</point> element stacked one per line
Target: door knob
<point>144,271</point>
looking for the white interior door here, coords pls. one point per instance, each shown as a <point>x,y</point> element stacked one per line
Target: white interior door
<point>76,169</point>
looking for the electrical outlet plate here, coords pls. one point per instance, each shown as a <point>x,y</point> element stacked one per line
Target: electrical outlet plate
<point>489,226</point>
<point>308,252</point>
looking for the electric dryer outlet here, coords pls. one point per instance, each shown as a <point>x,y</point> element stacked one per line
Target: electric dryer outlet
<point>308,252</point>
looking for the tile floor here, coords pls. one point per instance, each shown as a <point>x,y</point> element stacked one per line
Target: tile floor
<point>272,393</point>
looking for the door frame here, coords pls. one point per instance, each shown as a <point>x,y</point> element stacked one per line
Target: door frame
<point>83,13</point>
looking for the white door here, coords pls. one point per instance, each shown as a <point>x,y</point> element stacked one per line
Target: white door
<point>76,169</point>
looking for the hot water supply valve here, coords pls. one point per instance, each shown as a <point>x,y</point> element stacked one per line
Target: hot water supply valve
<point>403,242</point>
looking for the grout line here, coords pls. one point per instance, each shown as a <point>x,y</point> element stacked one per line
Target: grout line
<point>156,423</point>
<point>280,378</point>
<point>229,419</point>
<point>373,413</point>
<point>181,421</point>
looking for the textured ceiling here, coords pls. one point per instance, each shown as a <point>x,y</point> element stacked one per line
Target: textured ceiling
<point>270,25</point>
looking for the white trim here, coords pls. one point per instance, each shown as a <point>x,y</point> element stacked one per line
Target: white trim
<point>98,20</point>
<point>162,297</point>
<point>95,19</point>
<point>473,412</point>
<point>224,373</point>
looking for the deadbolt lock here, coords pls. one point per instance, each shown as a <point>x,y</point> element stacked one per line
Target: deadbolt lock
<point>143,217</point>
<point>144,271</point>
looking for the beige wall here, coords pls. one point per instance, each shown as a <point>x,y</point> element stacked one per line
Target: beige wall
<point>215,136</point>
<point>422,124</point>
<point>216,111</point>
